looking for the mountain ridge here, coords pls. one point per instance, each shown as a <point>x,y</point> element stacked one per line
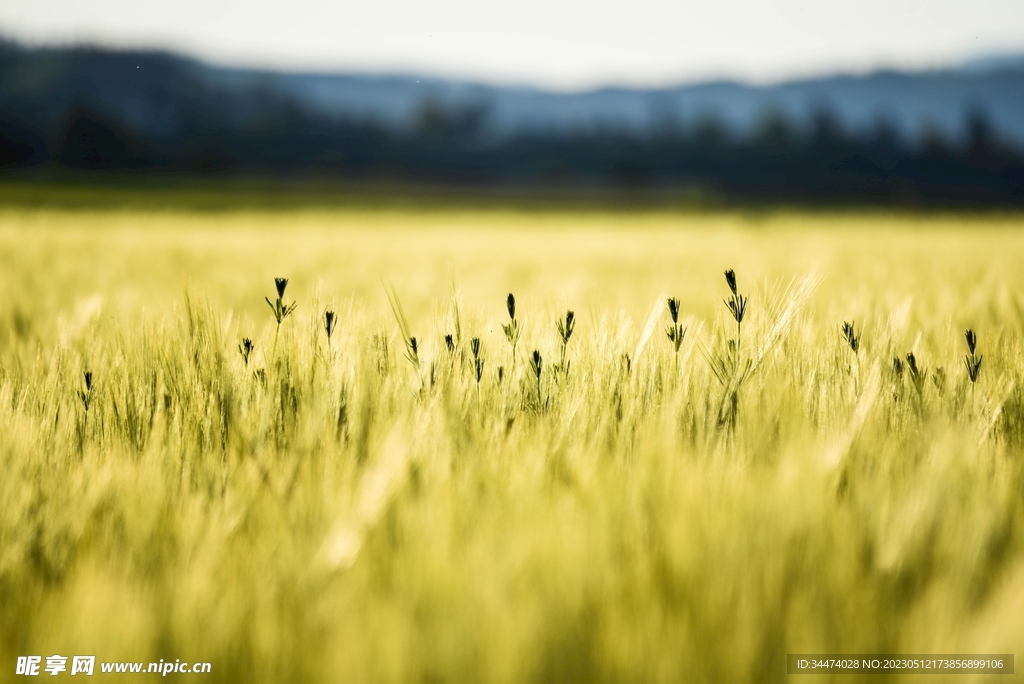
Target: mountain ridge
<point>950,136</point>
<point>913,103</point>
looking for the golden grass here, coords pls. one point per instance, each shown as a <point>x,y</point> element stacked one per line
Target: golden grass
<point>345,516</point>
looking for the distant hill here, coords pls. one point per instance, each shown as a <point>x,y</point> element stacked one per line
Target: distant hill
<point>953,134</point>
<point>912,103</point>
<point>158,92</point>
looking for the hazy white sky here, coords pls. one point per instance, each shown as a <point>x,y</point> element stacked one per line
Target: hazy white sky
<point>555,43</point>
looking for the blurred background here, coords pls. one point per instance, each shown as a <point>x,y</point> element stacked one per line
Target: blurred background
<point>901,102</point>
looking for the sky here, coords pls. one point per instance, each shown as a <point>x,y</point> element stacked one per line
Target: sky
<point>559,44</point>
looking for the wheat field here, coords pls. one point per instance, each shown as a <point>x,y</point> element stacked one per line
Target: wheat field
<point>616,508</point>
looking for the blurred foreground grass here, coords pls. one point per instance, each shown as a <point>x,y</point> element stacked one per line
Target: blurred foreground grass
<point>335,512</point>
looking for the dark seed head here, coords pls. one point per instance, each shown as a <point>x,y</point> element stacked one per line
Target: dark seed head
<point>565,329</point>
<point>280,284</point>
<point>413,345</point>
<point>737,306</point>
<point>245,349</point>
<point>330,321</point>
<point>972,340</point>
<point>511,303</point>
<point>851,337</point>
<point>912,363</point>
<point>474,346</point>
<point>673,309</point>
<point>449,342</point>
<point>730,278</point>
<point>88,381</point>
